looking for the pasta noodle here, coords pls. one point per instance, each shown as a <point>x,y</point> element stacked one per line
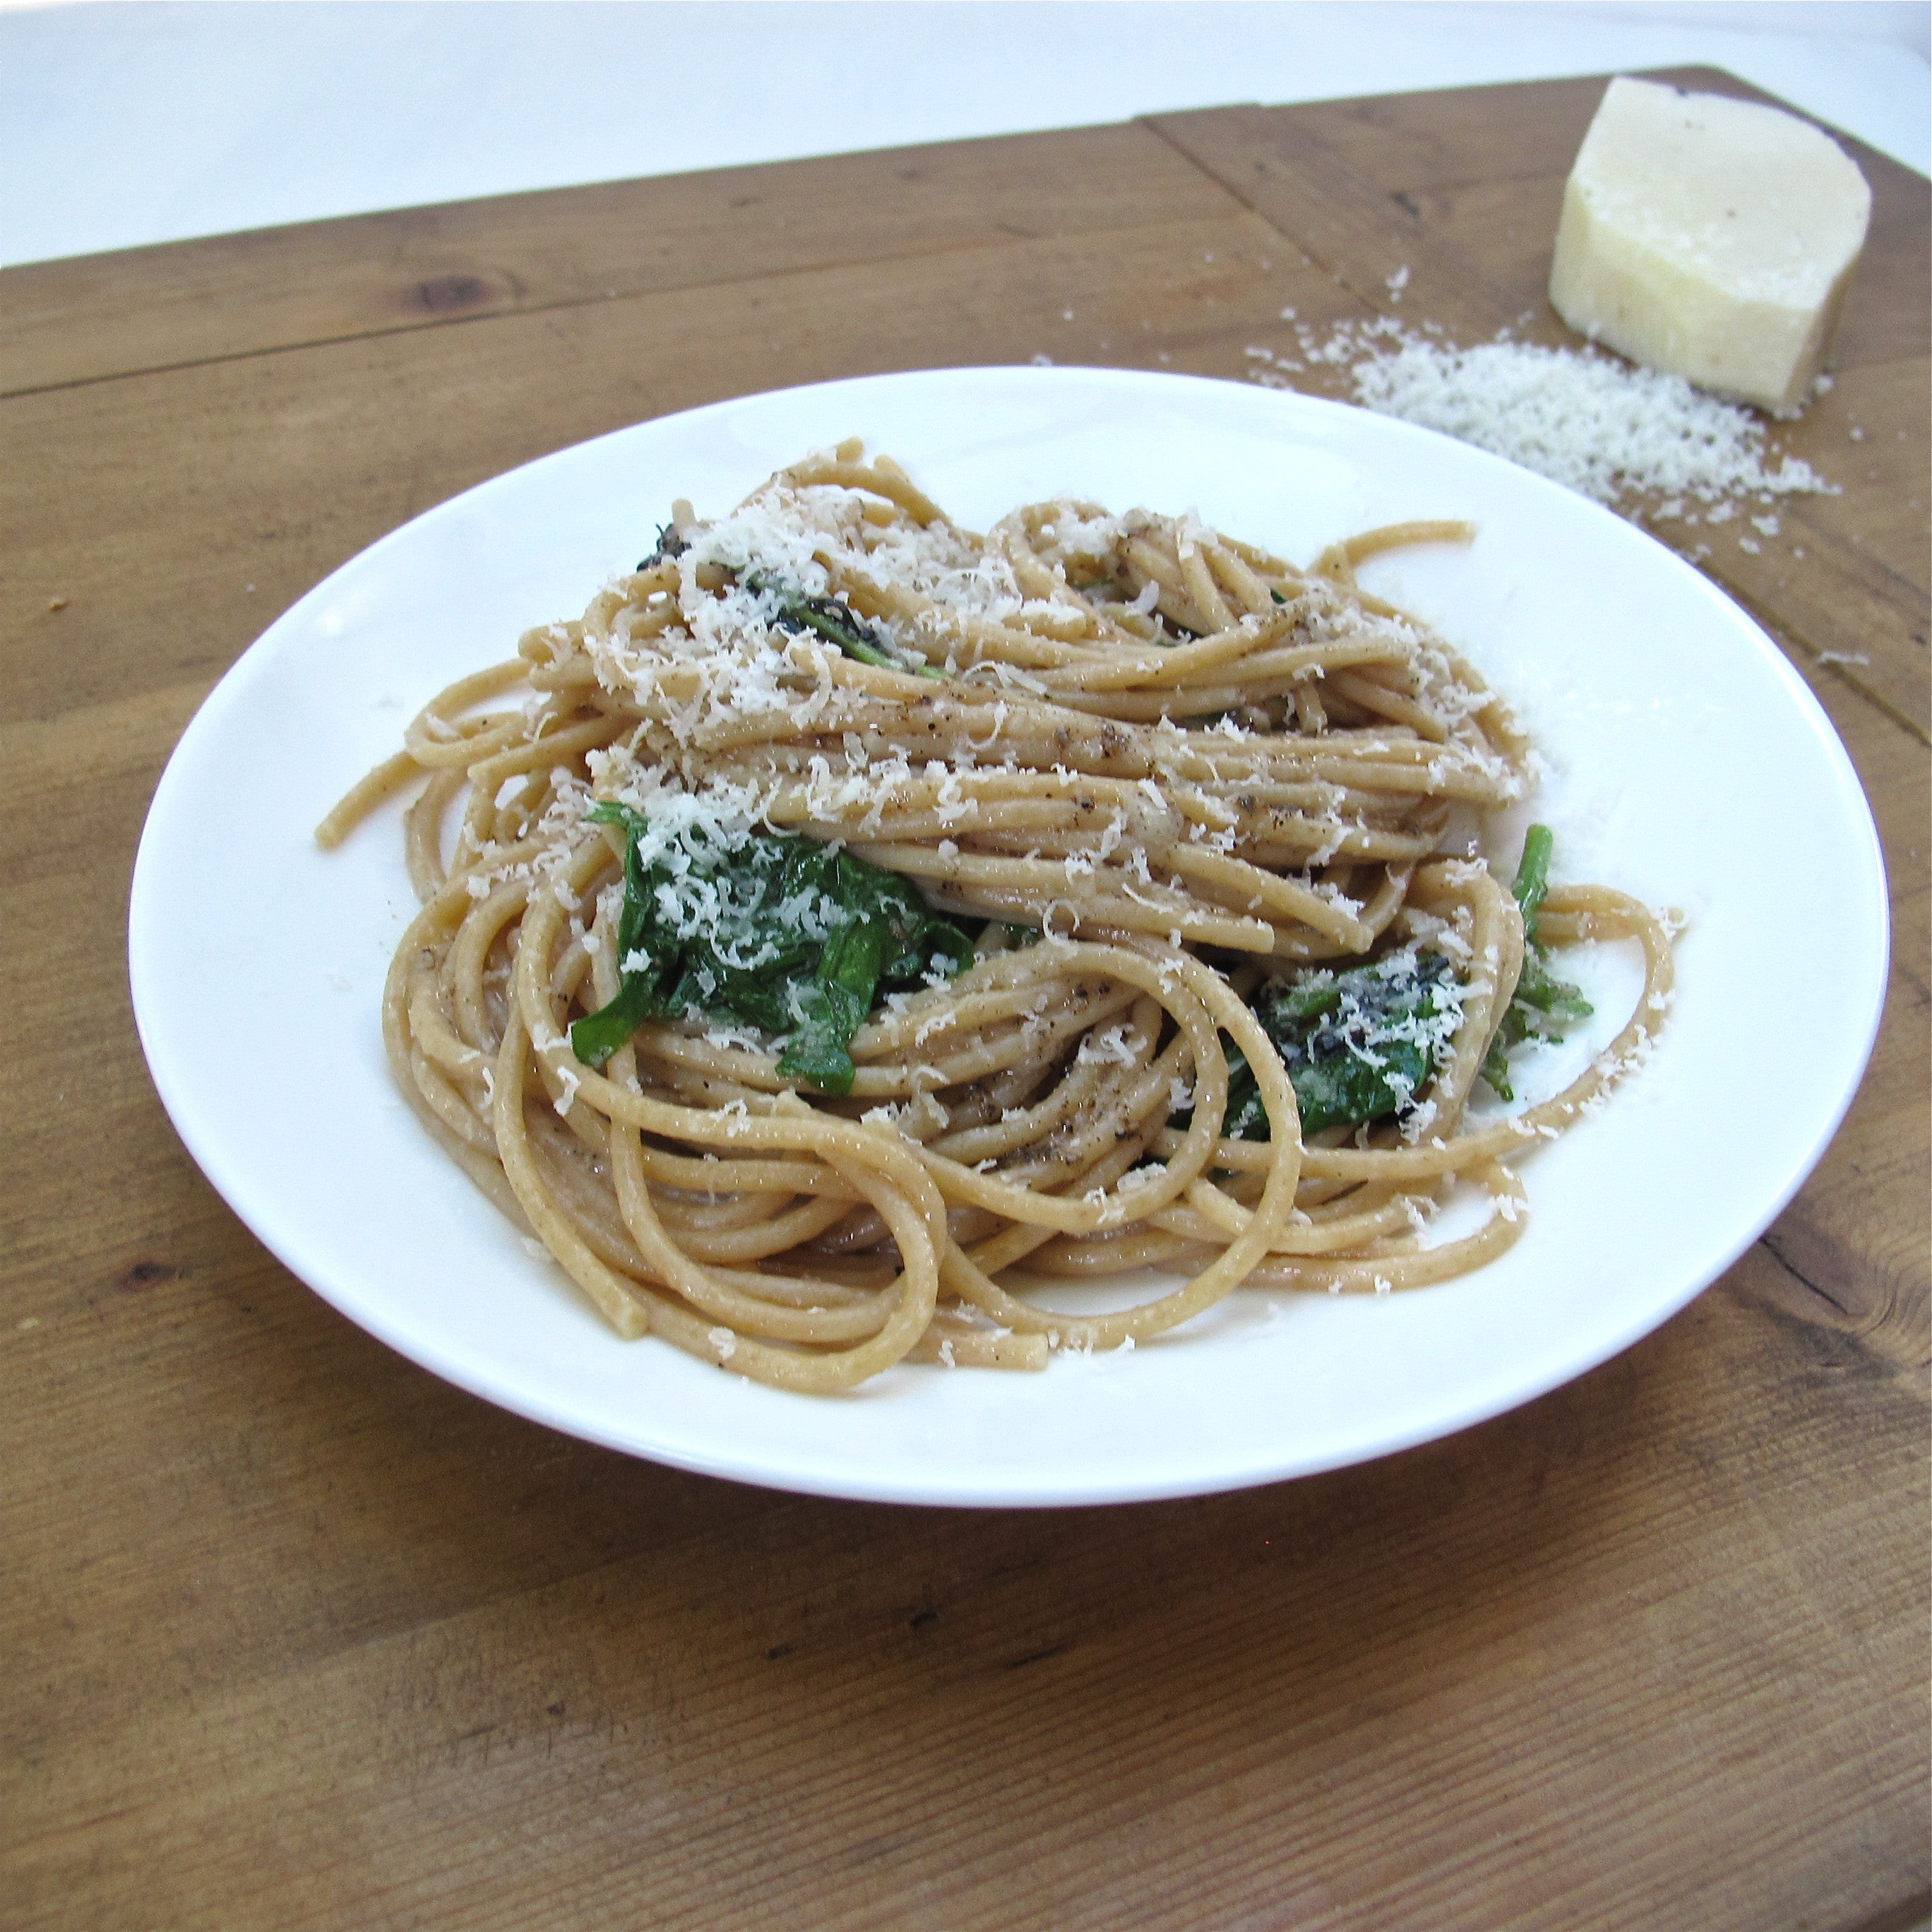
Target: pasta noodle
<point>1151,779</point>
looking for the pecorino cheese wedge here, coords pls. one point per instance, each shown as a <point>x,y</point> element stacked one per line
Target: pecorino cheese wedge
<point>1709,238</point>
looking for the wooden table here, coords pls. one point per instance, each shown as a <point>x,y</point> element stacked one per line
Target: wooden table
<point>297,1636</point>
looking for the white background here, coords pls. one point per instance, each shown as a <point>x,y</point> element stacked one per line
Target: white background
<point>128,121</point>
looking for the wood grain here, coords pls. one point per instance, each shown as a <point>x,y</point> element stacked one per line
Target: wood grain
<point>302,1637</point>
<point>236,295</point>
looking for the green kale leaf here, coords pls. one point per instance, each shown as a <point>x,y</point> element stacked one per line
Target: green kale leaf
<point>1359,1045</point>
<point>671,542</point>
<point>785,934</point>
<point>834,620</point>
<point>1543,1006</point>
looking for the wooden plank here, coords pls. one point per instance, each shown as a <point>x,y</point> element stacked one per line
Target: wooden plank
<point>1851,1250</point>
<point>1843,578</point>
<point>1852,1247</point>
<point>1345,1685</point>
<point>236,294</point>
<point>1344,224</point>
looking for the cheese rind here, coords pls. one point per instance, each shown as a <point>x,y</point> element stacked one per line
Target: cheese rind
<point>1709,238</point>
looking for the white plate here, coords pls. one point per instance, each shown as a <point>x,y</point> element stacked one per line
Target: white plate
<point>1688,765</point>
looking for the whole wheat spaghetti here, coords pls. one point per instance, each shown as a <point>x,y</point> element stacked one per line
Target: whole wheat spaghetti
<point>852,925</point>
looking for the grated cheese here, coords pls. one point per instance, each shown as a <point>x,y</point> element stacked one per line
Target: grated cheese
<point>1585,419</point>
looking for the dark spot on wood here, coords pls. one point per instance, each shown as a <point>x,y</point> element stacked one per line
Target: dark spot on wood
<point>147,1274</point>
<point>1037,1656</point>
<point>555,1710</point>
<point>779,1650</point>
<point>922,1618</point>
<point>449,295</point>
<point>1804,1280</point>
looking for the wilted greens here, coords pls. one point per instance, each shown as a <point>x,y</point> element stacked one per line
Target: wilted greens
<point>785,934</point>
<point>1359,1045</point>
<point>1543,1007</point>
<point>830,618</point>
<point>671,542</point>
<point>835,621</point>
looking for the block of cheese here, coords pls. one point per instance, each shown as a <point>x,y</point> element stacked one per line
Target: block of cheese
<point>1709,238</point>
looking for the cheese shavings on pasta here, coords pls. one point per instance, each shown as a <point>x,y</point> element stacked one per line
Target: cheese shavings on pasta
<point>854,926</point>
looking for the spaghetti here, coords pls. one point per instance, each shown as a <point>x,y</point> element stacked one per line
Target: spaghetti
<point>1173,812</point>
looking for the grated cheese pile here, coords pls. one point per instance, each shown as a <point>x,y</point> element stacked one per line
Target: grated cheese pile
<point>1584,418</point>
